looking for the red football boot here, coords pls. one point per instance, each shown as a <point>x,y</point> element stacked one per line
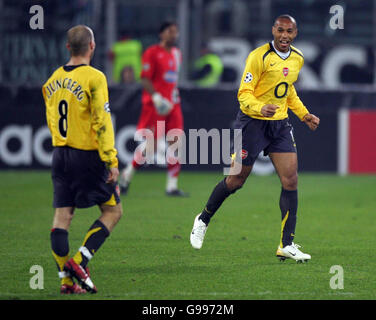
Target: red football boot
<point>74,289</point>
<point>81,275</point>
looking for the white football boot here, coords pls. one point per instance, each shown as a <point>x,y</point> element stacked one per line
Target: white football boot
<point>198,232</point>
<point>292,251</point>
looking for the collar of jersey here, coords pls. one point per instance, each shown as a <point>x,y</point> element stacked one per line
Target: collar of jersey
<point>282,55</point>
<point>70,68</point>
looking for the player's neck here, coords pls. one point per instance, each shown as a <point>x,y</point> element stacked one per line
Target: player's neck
<point>165,46</point>
<point>75,61</point>
<point>282,54</point>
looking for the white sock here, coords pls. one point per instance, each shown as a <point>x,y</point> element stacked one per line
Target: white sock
<point>172,183</point>
<point>127,174</point>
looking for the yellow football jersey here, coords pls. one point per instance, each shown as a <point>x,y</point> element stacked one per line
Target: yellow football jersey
<point>268,79</point>
<point>78,113</point>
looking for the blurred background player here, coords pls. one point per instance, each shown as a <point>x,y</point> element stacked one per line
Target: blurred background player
<point>84,165</point>
<point>160,102</point>
<point>266,93</point>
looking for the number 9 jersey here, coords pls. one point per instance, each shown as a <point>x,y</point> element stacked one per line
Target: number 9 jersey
<point>268,79</point>
<point>78,113</point>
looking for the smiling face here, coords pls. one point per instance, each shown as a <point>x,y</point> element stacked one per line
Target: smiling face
<point>284,32</point>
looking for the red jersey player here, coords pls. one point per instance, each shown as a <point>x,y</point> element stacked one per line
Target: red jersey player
<point>160,102</point>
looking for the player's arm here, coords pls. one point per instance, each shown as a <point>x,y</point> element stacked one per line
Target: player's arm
<point>147,85</point>
<point>102,123</point>
<point>148,70</point>
<point>249,104</point>
<point>161,104</point>
<point>296,105</point>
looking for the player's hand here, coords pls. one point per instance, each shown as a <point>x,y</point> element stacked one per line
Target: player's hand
<point>162,105</point>
<point>311,121</point>
<point>269,110</point>
<point>113,175</point>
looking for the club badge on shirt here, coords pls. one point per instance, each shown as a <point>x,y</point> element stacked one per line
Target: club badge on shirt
<point>243,154</point>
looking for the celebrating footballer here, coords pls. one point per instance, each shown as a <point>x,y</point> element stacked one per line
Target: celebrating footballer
<point>266,93</point>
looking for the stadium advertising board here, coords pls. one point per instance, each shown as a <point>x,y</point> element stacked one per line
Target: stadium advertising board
<point>208,116</point>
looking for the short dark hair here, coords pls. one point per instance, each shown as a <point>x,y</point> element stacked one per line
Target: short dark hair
<point>78,39</point>
<point>166,25</point>
<point>287,17</point>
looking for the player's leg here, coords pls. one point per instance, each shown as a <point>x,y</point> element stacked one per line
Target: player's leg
<point>174,128</point>
<point>282,152</point>
<point>173,171</point>
<point>60,243</point>
<point>247,149</point>
<point>98,232</point>
<point>63,203</point>
<point>94,239</point>
<point>59,235</point>
<point>90,188</point>
<point>286,165</point>
<point>222,190</point>
<point>146,120</point>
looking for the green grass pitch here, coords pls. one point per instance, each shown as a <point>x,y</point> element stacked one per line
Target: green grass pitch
<point>149,256</point>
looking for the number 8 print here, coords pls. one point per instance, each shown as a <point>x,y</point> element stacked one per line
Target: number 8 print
<point>63,121</point>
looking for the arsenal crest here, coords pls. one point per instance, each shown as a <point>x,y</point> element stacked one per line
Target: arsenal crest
<point>243,154</point>
<point>285,71</point>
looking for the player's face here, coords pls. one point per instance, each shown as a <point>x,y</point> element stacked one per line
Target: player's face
<point>170,35</point>
<point>284,32</point>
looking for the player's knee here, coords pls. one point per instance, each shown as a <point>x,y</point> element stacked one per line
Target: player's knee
<point>235,182</point>
<point>290,182</point>
<point>118,213</point>
<point>63,218</point>
<point>112,214</point>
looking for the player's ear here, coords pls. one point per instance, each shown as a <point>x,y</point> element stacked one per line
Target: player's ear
<point>92,45</point>
<point>273,30</point>
<point>296,32</point>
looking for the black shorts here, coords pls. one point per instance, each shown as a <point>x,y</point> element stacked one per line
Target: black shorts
<point>79,179</point>
<point>261,135</point>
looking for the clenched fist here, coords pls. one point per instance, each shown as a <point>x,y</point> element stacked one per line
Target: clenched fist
<point>269,110</point>
<point>311,121</point>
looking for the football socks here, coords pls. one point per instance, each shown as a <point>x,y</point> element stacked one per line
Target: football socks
<point>219,194</point>
<point>60,252</point>
<point>94,238</point>
<point>288,204</point>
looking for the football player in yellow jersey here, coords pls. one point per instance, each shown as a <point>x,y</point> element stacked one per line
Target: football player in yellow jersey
<point>84,162</point>
<point>265,94</point>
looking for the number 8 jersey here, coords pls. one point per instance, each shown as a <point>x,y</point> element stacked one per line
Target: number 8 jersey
<point>268,79</point>
<point>78,113</point>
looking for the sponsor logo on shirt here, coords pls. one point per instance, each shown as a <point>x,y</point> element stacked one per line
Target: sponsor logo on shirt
<point>171,76</point>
